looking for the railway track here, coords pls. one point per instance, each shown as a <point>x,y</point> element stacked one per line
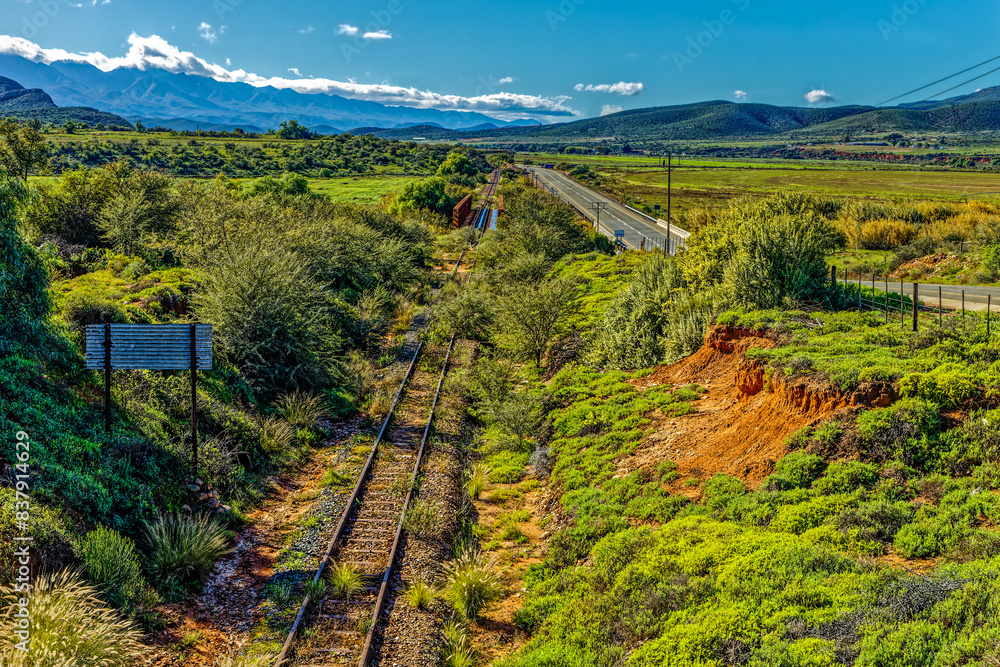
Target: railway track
<point>340,629</point>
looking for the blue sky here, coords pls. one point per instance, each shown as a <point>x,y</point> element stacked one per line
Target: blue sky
<point>550,59</point>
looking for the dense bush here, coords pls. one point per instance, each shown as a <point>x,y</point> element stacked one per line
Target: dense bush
<point>183,550</point>
<point>24,299</point>
<point>113,567</point>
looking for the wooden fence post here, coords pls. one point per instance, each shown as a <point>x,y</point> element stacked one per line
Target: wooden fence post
<point>916,308</point>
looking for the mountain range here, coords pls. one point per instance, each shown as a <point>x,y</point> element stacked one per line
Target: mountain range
<point>20,102</point>
<point>720,120</point>
<point>186,101</point>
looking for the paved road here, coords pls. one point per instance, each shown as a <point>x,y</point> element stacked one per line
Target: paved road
<point>950,296</point>
<point>615,217</point>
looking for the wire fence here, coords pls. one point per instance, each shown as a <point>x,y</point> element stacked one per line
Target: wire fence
<point>915,304</point>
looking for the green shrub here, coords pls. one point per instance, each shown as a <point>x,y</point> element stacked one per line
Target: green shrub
<point>456,649</point>
<point>721,489</point>
<point>846,476</point>
<point>912,644</point>
<point>472,584</point>
<point>52,538</point>
<point>83,309</point>
<point>476,483</point>
<point>24,281</point>
<point>422,519</point>
<point>876,520</point>
<point>183,549</point>
<point>113,566</point>
<point>276,436</point>
<point>796,470</point>
<point>70,625</point>
<point>905,431</point>
<point>948,385</point>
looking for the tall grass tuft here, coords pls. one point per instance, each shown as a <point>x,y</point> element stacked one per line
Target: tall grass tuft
<point>422,519</point>
<point>70,626</point>
<point>472,583</point>
<point>182,549</point>
<point>420,594</point>
<point>476,483</point>
<point>276,436</point>
<point>233,659</point>
<point>456,650</point>
<point>113,566</point>
<point>345,581</point>
<point>302,410</point>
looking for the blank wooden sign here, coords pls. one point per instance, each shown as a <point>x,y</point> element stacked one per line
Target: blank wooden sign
<point>153,347</point>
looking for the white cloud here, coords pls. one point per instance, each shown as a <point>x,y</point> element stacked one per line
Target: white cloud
<point>378,34</point>
<point>295,71</point>
<point>347,29</point>
<point>506,79</point>
<point>740,94</point>
<point>609,109</point>
<point>620,88</point>
<point>208,33</point>
<point>307,30</point>
<point>819,97</point>
<point>154,52</point>
<point>229,62</point>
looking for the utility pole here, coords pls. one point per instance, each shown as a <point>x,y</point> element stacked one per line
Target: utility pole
<point>670,159</point>
<point>598,206</point>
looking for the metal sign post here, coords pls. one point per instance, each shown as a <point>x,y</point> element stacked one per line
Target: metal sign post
<point>156,347</point>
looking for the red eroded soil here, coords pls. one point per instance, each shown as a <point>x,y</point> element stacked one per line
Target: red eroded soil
<point>740,425</point>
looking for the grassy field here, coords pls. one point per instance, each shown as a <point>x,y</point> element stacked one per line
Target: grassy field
<point>363,190</point>
<point>712,182</point>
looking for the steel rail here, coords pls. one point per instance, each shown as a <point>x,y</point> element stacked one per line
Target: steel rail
<point>393,552</point>
<point>363,477</point>
<point>339,532</point>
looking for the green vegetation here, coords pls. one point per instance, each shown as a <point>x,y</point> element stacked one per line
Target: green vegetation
<point>57,605</point>
<point>344,580</point>
<point>183,550</point>
<point>420,594</point>
<point>114,567</point>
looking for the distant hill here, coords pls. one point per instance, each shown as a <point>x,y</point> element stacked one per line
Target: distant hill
<point>729,121</point>
<point>158,97</point>
<point>963,118</point>
<point>16,101</point>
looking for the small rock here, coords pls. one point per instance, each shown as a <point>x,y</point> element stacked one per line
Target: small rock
<point>227,508</point>
<point>545,535</point>
<point>185,508</point>
<point>214,503</point>
<point>202,497</point>
<point>193,488</point>
<point>199,482</point>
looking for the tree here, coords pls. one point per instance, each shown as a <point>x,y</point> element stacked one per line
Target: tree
<point>24,281</point>
<point>117,203</point>
<point>530,314</point>
<point>429,194</point>
<point>290,129</point>
<point>22,148</point>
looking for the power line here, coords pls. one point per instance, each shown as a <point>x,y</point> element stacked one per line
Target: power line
<point>962,84</point>
<point>934,83</point>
